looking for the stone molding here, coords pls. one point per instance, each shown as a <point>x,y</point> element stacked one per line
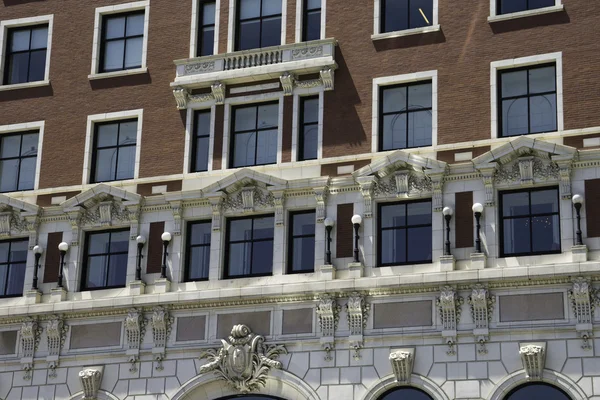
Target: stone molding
<point>90,379</point>
<point>533,357</point>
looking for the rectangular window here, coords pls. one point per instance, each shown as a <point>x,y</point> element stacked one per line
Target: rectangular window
<point>200,141</point>
<point>308,136</point>
<point>26,50</point>
<point>249,247</point>
<point>254,135</point>
<point>301,255</point>
<point>206,29</point>
<point>122,41</point>
<point>527,98</point>
<point>530,222</point>
<point>512,6</point>
<point>311,18</point>
<point>18,160</point>
<point>198,250</point>
<point>405,116</point>
<point>405,233</point>
<point>114,150</point>
<point>13,259</point>
<point>399,15</point>
<point>258,24</point>
<point>105,260</point>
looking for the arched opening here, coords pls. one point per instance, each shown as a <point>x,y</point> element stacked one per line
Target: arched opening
<point>250,397</point>
<point>537,391</point>
<point>405,393</point>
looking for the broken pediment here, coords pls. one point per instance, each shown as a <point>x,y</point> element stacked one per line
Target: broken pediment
<point>18,217</point>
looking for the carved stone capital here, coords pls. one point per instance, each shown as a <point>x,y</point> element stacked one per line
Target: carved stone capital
<point>402,361</point>
<point>288,81</point>
<point>367,183</point>
<point>216,203</point>
<point>90,379</point>
<point>327,77</point>
<point>533,357</point>
<point>218,92</point>
<point>488,173</point>
<point>181,97</point>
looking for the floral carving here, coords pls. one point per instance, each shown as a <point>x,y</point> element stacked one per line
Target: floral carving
<point>199,68</point>
<point>307,52</point>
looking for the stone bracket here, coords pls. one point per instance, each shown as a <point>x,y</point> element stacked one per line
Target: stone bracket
<point>533,357</point>
<point>583,301</point>
<point>367,184</point>
<point>321,197</point>
<point>177,210</point>
<point>357,312</point>
<point>134,334</point>
<point>449,307</point>
<point>402,361</point>
<point>56,333</point>
<point>90,379</point>
<point>30,334</point>
<point>161,322</point>
<point>482,306</point>
<point>328,312</point>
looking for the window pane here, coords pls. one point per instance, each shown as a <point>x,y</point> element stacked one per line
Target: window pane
<point>313,26</point>
<point>419,213</point>
<point>117,271</point>
<point>510,6</point>
<point>126,167</point>
<point>127,132</point>
<point>18,251</point>
<point>540,3</point>
<point>9,170</point>
<point>542,113</point>
<point>113,55</point>
<point>249,9</point>
<point>545,233</point>
<point>200,233</point>
<point>18,67</point>
<point>262,257</point>
<point>245,119</point>
<point>421,13</point>
<point>207,42</point>
<point>263,228</point>
<point>516,236</point>
<point>514,83</point>
<point>4,249</point>
<point>310,110</point>
<point>514,117</point>
<point>99,243</point>
<point>395,15</point>
<point>96,271</point>
<point>266,152</point>
<point>39,38</point>
<point>208,13</point>
<point>271,7</point>
<point>312,4</point>
<point>304,224</point>
<point>394,99</point>
<point>20,40</point>
<point>11,146</point>
<point>16,278</point>
<point>133,53</point>
<point>201,154</point>
<point>135,25</point>
<point>544,202</point>
<point>393,246</point>
<point>271,32</point>
<point>239,259</point>
<point>394,132</point>
<point>115,27</point>
<point>119,242</point>
<point>393,215</point>
<point>419,244</point>
<point>106,164</point>
<point>30,144</point>
<point>37,66</point>
<point>107,135</point>
<point>249,35</point>
<point>310,141</point>
<point>240,229</point>
<point>419,96</point>
<point>514,204</point>
<point>268,116</point>
<point>244,149</point>
<point>419,129</point>
<point>203,123</point>
<point>27,175</point>
<point>542,80</point>
<point>199,262</point>
<point>303,258</point>
<point>3,273</point>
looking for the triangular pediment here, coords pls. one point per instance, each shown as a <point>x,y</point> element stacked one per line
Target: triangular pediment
<point>242,178</point>
<point>523,147</point>
<point>101,193</point>
<point>7,203</point>
<point>399,160</point>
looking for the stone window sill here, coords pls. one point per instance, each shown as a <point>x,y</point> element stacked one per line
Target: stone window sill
<point>25,85</point>
<point>523,14</point>
<point>407,32</point>
<point>127,72</point>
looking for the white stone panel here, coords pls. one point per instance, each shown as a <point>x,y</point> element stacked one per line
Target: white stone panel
<point>299,364</point>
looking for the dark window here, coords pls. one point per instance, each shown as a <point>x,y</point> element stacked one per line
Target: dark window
<point>114,151</point>
<point>249,247</point>
<point>206,29</point>
<point>398,15</point>
<point>105,260</point>
<point>250,397</point>
<point>530,222</point>
<point>301,257</point>
<point>405,233</point>
<point>26,54</point>
<point>311,28</point>
<point>13,258</point>
<point>122,41</point>
<point>527,100</point>
<point>405,116</point>
<point>511,6</point>
<point>258,24</point>
<point>254,135</point>
<point>405,393</point>
<point>308,129</point>
<point>198,250</point>
<point>200,141</point>
<point>537,391</point>
<point>18,159</point>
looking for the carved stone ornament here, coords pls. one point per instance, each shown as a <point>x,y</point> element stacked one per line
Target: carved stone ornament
<point>244,360</point>
<point>91,378</point>
<point>328,312</point>
<point>321,197</point>
<point>218,92</point>
<point>134,334</point>
<point>56,333</point>
<point>583,300</point>
<point>177,211</point>
<point>181,97</point>
<point>287,83</point>
<point>533,357</point>
<point>30,334</point>
<point>403,183</point>
<point>199,68</point>
<point>161,329</point>
<point>402,361</point>
<point>327,75</point>
<point>216,203</point>
<point>357,311</point>
<point>526,171</point>
<point>279,202</point>
<point>482,306</point>
<point>303,53</point>
<point>449,306</point>
<point>18,218</point>
<point>367,183</point>
<point>248,199</point>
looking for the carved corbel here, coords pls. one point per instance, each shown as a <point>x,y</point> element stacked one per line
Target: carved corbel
<point>30,337</point>
<point>401,178</point>
<point>327,77</point>
<point>328,312</point>
<point>279,202</point>
<point>582,297</point>
<point>161,329</point>
<point>134,333</point>
<point>177,211</point>
<point>32,222</point>
<point>248,198</point>
<point>487,175</point>
<point>526,170</point>
<point>367,184</point>
<point>437,183</point>
<point>564,169</point>
<point>133,214</point>
<point>218,91</point>
<point>482,306</point>
<point>533,357</point>
<point>181,97</point>
<point>216,203</point>
<point>56,332</point>
<point>357,311</point>
<point>402,361</point>
<point>74,216</point>
<point>449,306</point>
<point>90,379</point>
<point>105,210</point>
<point>321,197</point>
<point>288,81</point>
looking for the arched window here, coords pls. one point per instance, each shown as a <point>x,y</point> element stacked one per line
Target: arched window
<point>537,391</point>
<point>405,393</point>
<point>251,397</point>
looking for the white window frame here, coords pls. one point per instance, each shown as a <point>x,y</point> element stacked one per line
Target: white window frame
<point>494,16</point>
<point>196,24</point>
<point>248,100</point>
<point>89,140</point>
<point>22,22</point>
<point>118,9</point>
<point>189,136</point>
<point>298,93</point>
<point>378,35</point>
<point>232,23</point>
<point>398,80</point>
<point>24,127</point>
<point>300,22</point>
<point>511,63</point>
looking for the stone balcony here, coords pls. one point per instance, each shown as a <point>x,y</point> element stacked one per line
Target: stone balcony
<point>284,62</point>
